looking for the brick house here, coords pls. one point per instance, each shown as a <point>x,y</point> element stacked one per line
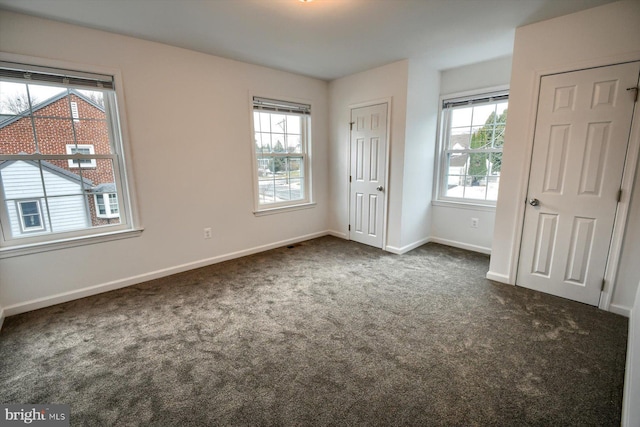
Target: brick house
<point>83,189</point>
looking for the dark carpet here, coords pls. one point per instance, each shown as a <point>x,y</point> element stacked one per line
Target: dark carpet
<point>326,332</point>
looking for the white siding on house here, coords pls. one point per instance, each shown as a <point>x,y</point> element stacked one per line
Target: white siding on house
<point>68,213</point>
<point>22,181</point>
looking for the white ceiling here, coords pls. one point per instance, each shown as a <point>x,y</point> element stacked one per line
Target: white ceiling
<point>325,38</point>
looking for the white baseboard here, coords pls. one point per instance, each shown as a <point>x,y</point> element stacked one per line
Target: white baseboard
<point>622,310</point>
<point>407,248</point>
<point>338,234</point>
<point>461,245</point>
<point>497,277</point>
<point>1,317</point>
<point>122,283</point>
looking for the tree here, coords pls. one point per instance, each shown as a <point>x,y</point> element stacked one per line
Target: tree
<point>491,133</point>
<point>93,96</point>
<point>17,104</point>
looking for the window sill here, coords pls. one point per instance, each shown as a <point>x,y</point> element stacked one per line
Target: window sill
<point>282,209</point>
<point>14,251</point>
<point>464,205</point>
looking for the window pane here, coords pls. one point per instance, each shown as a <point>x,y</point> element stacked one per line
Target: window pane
<point>294,125</point>
<point>484,114</point>
<point>281,178</point>
<point>501,112</point>
<point>93,132</point>
<point>58,194</point>
<point>478,164</point>
<point>296,167</point>
<point>90,104</point>
<point>263,141</point>
<point>475,187</point>
<point>13,99</point>
<point>54,135</point>
<point>461,117</point>
<point>68,212</point>
<point>481,137</point>
<point>263,122</point>
<point>459,138</point>
<point>113,203</point>
<point>30,215</point>
<point>266,190</point>
<point>495,163</point>
<point>49,101</point>
<point>294,144</point>
<point>473,175</point>
<point>492,187</point>
<point>16,135</point>
<point>278,142</point>
<point>21,180</point>
<point>498,136</point>
<point>100,207</point>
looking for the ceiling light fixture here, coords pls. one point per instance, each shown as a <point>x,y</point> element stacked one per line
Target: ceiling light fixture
<point>305,1</point>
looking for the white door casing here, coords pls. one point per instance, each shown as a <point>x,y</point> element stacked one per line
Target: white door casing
<point>367,195</point>
<point>580,143</point>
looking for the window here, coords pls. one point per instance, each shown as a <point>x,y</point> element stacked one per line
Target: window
<point>106,205</point>
<point>471,143</point>
<point>281,146</point>
<point>81,149</point>
<point>61,159</point>
<point>30,215</point>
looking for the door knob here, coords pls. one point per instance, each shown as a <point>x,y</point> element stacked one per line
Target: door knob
<point>380,188</point>
<point>534,202</point>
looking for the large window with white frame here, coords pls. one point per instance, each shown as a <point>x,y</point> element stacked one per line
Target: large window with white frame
<point>60,147</point>
<point>471,141</point>
<point>281,150</point>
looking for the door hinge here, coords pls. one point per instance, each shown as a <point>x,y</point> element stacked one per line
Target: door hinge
<point>351,124</point>
<point>604,282</point>
<point>635,95</point>
<point>349,178</point>
<point>619,195</point>
<point>349,227</point>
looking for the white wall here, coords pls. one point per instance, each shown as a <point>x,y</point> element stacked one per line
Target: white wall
<point>188,117</point>
<point>597,36</point>
<point>388,81</point>
<point>419,155</point>
<point>630,407</point>
<point>451,224</point>
<point>481,75</point>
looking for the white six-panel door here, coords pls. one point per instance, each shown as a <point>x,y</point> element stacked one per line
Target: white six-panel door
<point>581,137</point>
<point>368,174</point>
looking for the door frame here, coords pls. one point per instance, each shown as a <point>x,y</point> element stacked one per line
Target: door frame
<point>385,206</point>
<point>628,176</point>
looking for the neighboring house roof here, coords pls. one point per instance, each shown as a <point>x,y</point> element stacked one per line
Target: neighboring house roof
<point>6,120</point>
<point>459,141</point>
<point>458,159</point>
<point>108,187</point>
<point>52,168</point>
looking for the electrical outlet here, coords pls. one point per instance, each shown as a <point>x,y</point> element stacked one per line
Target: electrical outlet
<point>474,222</point>
<point>207,233</point>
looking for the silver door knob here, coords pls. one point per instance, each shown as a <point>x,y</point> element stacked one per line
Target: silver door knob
<point>380,188</point>
<point>534,202</point>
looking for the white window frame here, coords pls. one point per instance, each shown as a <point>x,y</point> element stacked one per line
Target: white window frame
<point>440,181</point>
<point>111,211</point>
<point>23,226</point>
<point>129,224</point>
<point>77,163</point>
<point>285,106</point>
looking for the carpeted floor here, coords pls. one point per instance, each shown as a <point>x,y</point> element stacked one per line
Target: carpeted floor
<point>327,332</point>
